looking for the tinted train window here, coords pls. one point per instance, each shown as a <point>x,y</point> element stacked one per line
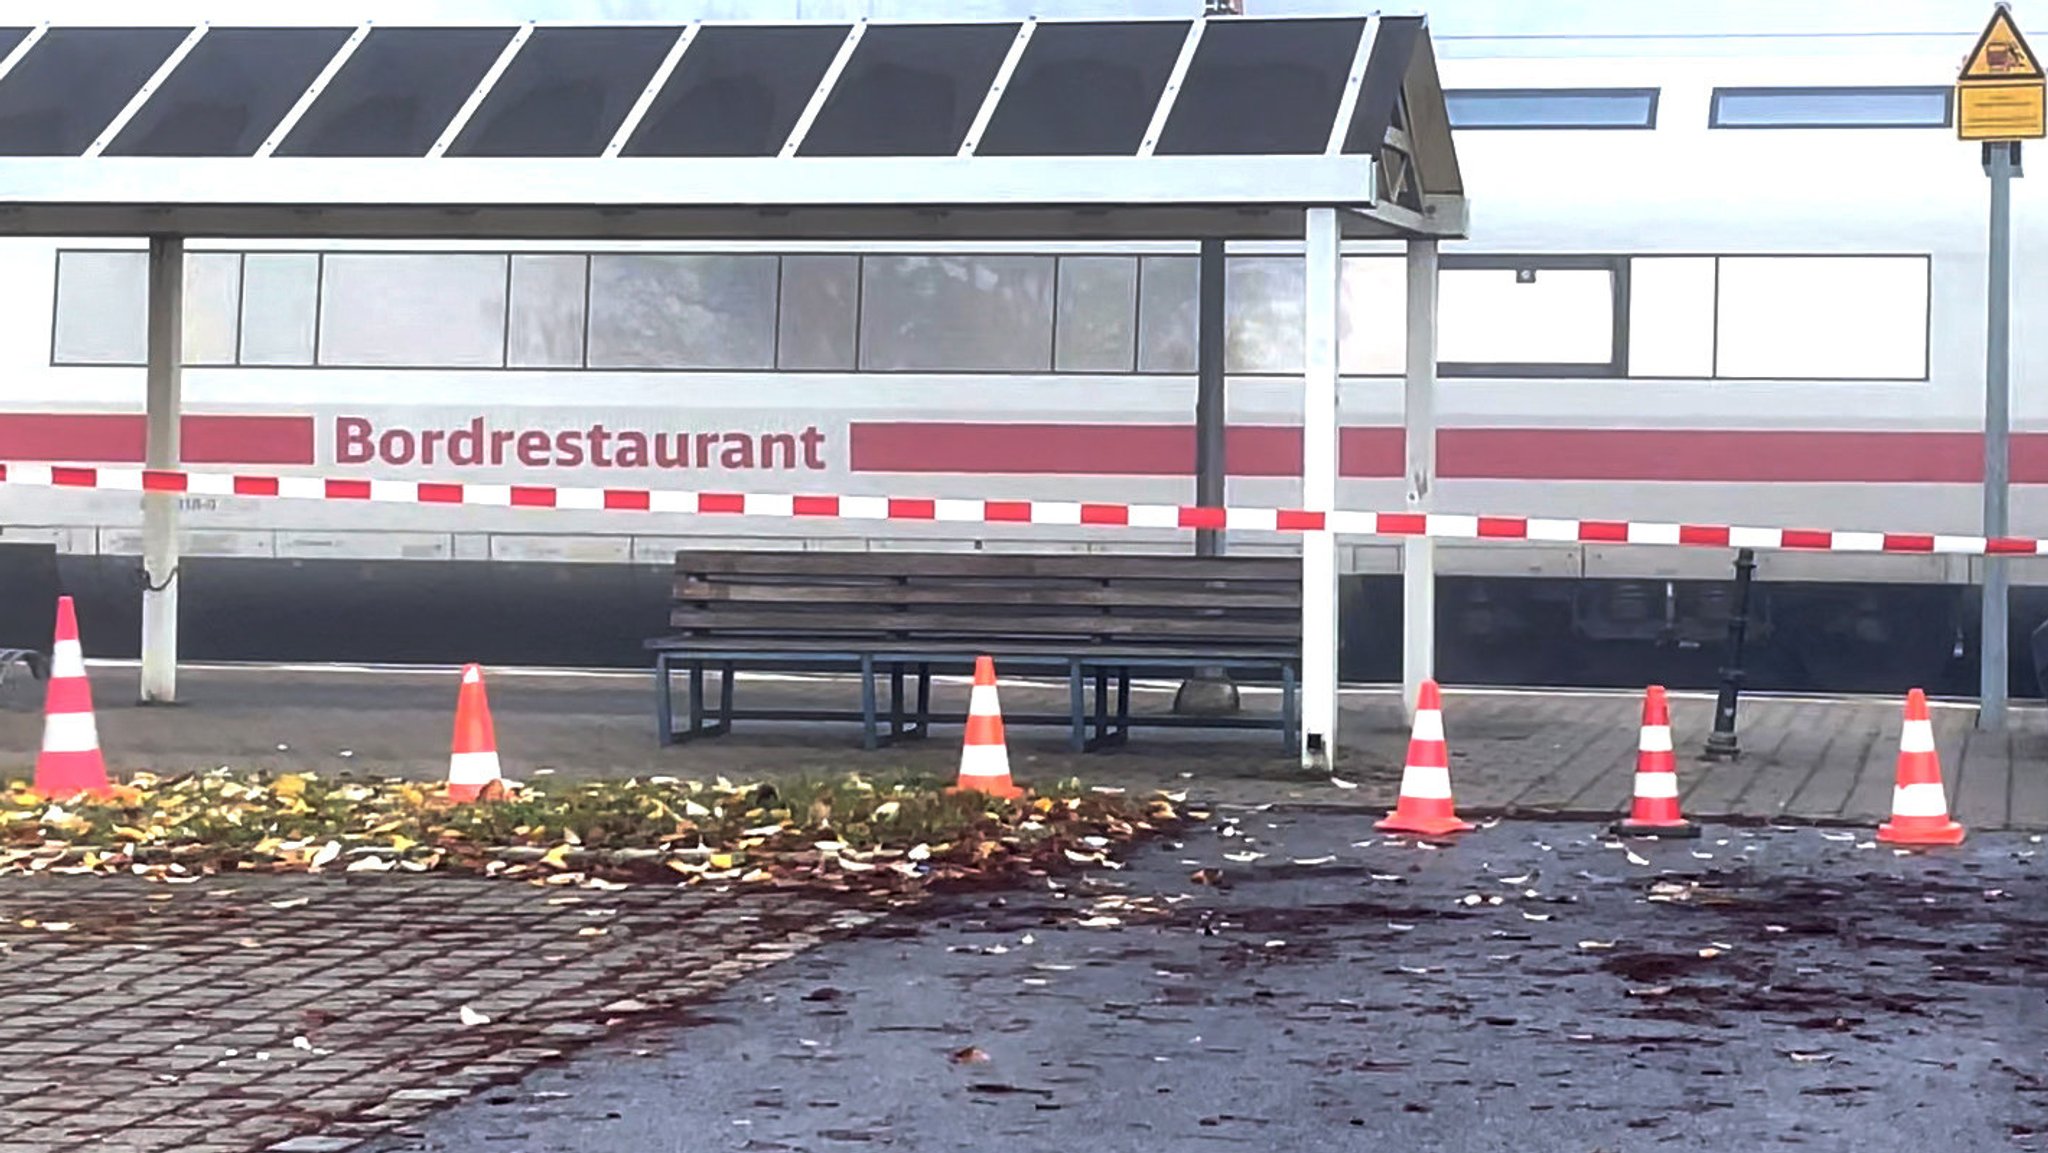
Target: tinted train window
<point>1552,107</point>
<point>1830,108</point>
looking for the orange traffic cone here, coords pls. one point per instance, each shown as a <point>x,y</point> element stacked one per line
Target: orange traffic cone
<point>1655,812</point>
<point>1919,804</point>
<point>473,761</point>
<point>985,756</point>
<point>70,760</point>
<point>1425,802</point>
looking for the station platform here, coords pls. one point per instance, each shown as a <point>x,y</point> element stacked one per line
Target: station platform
<point>1563,754</point>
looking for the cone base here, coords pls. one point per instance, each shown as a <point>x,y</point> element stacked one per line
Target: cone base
<point>1006,790</point>
<point>1674,829</point>
<point>469,792</point>
<point>1950,833</point>
<point>1398,822</point>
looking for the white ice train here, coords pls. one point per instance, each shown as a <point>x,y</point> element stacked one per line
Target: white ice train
<point>1721,275</point>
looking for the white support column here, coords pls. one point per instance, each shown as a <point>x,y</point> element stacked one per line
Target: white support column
<point>1418,420</point>
<point>1319,492</point>
<point>160,510</point>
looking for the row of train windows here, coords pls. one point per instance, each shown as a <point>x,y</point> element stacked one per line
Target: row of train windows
<point>1841,107</point>
<point>1736,317</point>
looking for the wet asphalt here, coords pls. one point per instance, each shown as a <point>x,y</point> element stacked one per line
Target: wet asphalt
<point>1530,987</point>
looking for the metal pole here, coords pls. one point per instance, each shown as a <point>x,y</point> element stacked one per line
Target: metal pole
<point>1721,744</point>
<point>1210,691</point>
<point>161,450</point>
<point>1418,420</point>
<point>2001,163</point>
<point>1211,423</point>
<point>1319,491</point>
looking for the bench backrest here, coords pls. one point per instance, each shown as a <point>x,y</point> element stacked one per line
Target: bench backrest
<point>1230,604</point>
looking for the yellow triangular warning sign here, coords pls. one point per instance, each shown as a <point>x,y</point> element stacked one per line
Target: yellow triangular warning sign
<point>2001,52</point>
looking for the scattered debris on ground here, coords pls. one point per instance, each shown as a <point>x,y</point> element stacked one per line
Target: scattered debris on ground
<point>840,834</point>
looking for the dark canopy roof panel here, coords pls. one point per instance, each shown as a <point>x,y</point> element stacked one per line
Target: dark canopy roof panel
<point>1216,126</point>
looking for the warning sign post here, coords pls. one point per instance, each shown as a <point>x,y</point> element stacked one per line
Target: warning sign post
<point>1999,101</point>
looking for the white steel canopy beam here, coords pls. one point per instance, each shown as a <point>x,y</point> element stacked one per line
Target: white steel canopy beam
<point>1418,422</point>
<point>1319,632</point>
<point>160,509</point>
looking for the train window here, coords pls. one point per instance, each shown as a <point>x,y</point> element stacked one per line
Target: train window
<point>699,311</point>
<point>280,298</point>
<point>102,308</point>
<point>1822,317</point>
<point>213,306</point>
<point>546,316</point>
<point>956,313</point>
<point>1372,334</point>
<point>412,310</point>
<point>1901,107</point>
<point>1098,314</point>
<point>820,314</point>
<point>1504,317</point>
<point>1167,310</point>
<point>1263,314</point>
<point>1471,108</point>
<point>1671,316</point>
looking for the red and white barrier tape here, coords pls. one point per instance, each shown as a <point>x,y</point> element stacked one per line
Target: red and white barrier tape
<point>1443,526</point>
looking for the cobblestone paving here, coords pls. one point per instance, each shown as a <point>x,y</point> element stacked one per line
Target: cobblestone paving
<point>305,1014</point>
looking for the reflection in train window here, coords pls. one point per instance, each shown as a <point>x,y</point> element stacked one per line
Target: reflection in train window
<point>545,316</point>
<point>1167,313</point>
<point>820,315</point>
<point>412,310</point>
<point>1372,317</point>
<point>1552,107</point>
<point>103,307</point>
<point>701,310</point>
<point>1901,107</point>
<point>1098,314</point>
<point>956,313</point>
<point>1822,317</point>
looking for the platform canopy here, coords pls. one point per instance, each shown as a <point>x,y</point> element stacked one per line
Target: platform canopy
<point>1178,129</point>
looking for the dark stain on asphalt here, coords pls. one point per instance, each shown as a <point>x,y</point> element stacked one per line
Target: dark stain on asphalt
<point>1526,987</point>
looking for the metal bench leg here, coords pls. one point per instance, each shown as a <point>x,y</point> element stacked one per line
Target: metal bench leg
<point>664,703</point>
<point>696,700</point>
<point>1101,719</point>
<point>895,701</point>
<point>1077,739</point>
<point>924,701</point>
<point>1290,710</point>
<point>725,679</point>
<point>1123,706</point>
<point>868,739</point>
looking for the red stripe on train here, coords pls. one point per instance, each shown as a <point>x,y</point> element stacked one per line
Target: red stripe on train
<point>1559,454</point>
<point>117,438</point>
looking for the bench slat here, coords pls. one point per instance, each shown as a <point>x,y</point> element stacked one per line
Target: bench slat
<point>968,625</point>
<point>893,593</point>
<point>1089,566</point>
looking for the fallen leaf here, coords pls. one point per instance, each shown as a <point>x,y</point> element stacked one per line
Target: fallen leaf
<point>1596,944</point>
<point>968,1056</point>
<point>472,1017</point>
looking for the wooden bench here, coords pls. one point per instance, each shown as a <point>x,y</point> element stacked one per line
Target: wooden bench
<point>1096,617</point>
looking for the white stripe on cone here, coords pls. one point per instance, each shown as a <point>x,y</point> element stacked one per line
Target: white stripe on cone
<point>984,761</point>
<point>1433,784</point>
<point>1921,800</point>
<point>1917,737</point>
<point>1429,726</point>
<point>982,702</point>
<point>472,768</point>
<point>67,661</point>
<point>1657,785</point>
<point>1655,739</point>
<point>70,733</point>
